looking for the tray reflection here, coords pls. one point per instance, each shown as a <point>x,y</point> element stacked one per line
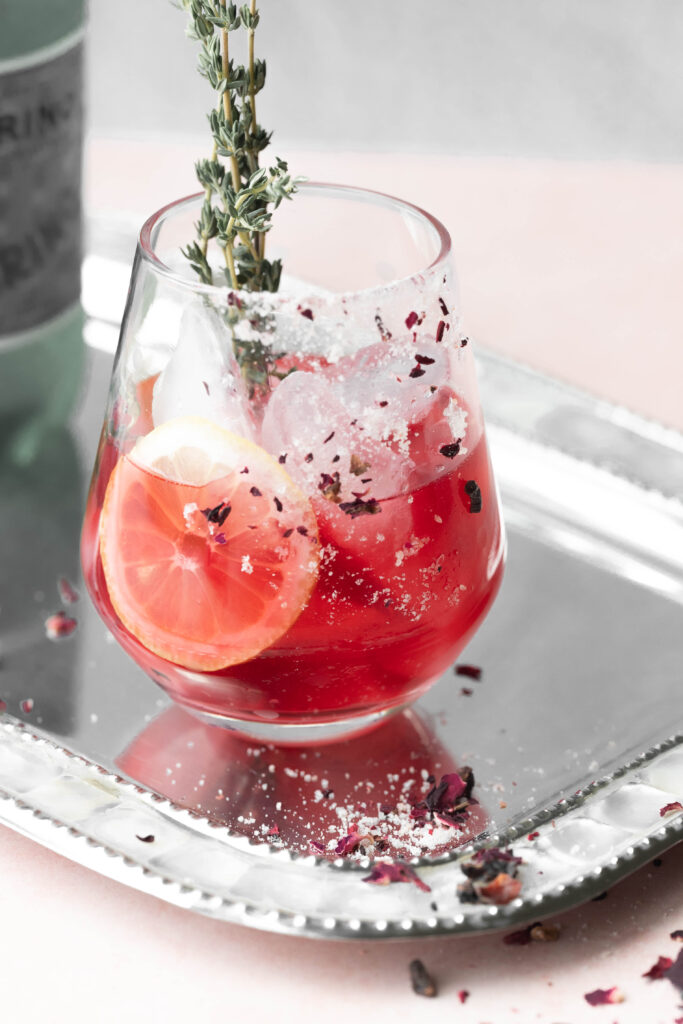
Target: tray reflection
<point>298,797</point>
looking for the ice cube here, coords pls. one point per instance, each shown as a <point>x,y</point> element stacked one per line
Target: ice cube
<point>405,399</point>
<point>325,446</point>
<point>202,377</point>
<point>391,385</point>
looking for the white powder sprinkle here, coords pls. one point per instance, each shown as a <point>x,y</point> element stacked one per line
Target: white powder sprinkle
<point>188,511</point>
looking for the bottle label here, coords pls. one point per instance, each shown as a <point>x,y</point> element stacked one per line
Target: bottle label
<point>41,118</point>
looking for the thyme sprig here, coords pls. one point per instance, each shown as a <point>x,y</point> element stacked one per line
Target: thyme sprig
<point>239,195</point>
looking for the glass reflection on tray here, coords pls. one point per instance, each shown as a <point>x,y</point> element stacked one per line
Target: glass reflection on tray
<point>401,795</point>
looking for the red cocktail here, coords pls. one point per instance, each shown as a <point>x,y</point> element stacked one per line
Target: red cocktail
<point>309,535</point>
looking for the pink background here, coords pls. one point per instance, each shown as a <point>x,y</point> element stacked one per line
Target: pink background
<point>575,269</point>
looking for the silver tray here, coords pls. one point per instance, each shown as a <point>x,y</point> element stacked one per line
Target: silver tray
<point>573,732</point>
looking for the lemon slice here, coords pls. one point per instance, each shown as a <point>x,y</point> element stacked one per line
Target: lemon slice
<point>208,547</point>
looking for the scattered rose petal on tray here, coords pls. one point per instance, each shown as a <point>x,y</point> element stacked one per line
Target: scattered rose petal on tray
<point>471,671</point>
<point>491,877</point>
<point>424,817</point>
<point>383,873</point>
<point>67,592</point>
<point>671,808</point>
<point>421,980</point>
<point>463,995</point>
<point>145,839</point>
<point>26,705</point>
<point>604,996</point>
<point>349,843</point>
<point>659,969</point>
<point>503,889</point>
<point>59,625</point>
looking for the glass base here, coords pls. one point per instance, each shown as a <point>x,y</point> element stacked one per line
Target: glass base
<point>311,733</point>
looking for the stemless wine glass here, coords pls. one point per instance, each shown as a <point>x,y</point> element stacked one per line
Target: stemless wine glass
<point>293,525</point>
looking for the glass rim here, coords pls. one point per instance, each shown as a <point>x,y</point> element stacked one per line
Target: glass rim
<point>148,254</point>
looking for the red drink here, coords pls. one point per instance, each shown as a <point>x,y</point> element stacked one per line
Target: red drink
<point>397,597</point>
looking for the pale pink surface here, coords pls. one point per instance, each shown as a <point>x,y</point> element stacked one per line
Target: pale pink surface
<point>77,946</point>
<point>576,269</point>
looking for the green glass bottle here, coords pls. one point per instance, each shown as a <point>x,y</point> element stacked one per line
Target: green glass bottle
<point>41,136</point>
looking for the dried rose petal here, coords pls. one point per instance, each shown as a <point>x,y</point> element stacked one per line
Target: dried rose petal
<point>349,844</point>
<point>533,835</point>
<point>473,491</point>
<point>471,671</point>
<point>67,593</point>
<point>358,466</point>
<point>421,980</point>
<point>463,995</point>
<point>317,847</point>
<point>445,796</point>
<point>545,932</point>
<point>330,486</point>
<point>603,996</point>
<point>359,507</point>
<point>675,805</point>
<point>145,839</point>
<point>26,705</point>
<point>450,820</point>
<point>465,691</point>
<point>486,864</point>
<point>658,970</point>
<point>455,787</point>
<point>503,889</point>
<point>536,932</point>
<point>385,874</point>
<point>449,451</point>
<point>59,625</point>
<point>411,319</point>
<point>274,830</point>
<point>218,514</point>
